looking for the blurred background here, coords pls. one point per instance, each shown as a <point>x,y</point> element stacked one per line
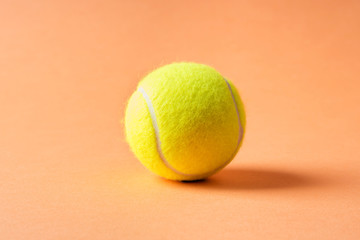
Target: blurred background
<point>67,69</point>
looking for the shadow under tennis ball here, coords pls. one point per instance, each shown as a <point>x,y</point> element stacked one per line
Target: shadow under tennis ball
<point>238,178</point>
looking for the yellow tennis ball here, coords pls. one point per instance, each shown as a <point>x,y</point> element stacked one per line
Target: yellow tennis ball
<point>185,121</point>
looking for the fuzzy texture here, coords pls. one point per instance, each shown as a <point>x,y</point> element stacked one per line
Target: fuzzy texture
<point>199,129</point>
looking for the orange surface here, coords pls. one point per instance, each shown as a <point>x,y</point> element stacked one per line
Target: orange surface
<point>67,69</point>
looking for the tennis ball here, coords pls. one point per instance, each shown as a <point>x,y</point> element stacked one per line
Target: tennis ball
<point>185,121</point>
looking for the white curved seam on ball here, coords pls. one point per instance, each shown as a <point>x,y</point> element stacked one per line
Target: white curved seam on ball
<point>157,134</point>
<point>241,130</point>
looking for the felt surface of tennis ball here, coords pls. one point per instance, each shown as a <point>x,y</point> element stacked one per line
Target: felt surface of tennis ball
<point>185,121</point>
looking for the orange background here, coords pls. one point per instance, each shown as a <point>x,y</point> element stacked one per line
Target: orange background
<point>67,69</point>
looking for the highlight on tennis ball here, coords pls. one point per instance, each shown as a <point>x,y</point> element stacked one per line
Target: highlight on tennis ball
<point>185,121</point>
